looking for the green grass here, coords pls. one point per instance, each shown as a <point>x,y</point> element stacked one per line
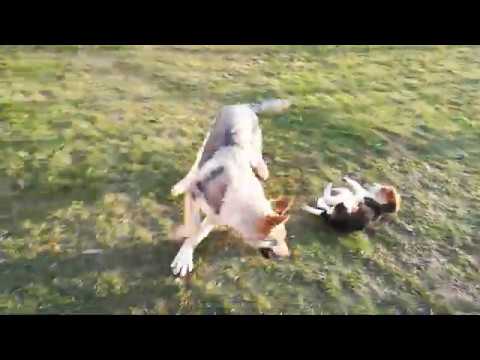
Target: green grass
<point>92,139</point>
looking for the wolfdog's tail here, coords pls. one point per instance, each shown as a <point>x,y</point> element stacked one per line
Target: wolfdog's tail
<point>273,106</point>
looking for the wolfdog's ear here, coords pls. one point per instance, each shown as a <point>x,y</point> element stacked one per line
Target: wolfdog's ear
<point>282,205</point>
<point>267,223</point>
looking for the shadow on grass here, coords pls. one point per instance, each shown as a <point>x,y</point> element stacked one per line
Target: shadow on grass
<point>72,284</point>
<point>55,274</point>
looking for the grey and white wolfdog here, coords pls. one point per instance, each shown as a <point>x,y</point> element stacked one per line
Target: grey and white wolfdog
<point>224,186</point>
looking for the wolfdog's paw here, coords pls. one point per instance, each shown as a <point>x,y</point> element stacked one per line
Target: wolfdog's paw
<point>261,170</point>
<point>177,190</point>
<point>263,173</point>
<point>183,262</point>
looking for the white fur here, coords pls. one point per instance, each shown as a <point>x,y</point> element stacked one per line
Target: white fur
<point>350,199</point>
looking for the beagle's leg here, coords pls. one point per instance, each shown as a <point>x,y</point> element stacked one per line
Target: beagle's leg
<point>332,200</point>
<point>342,196</point>
<point>321,204</point>
<point>313,211</point>
<point>357,188</point>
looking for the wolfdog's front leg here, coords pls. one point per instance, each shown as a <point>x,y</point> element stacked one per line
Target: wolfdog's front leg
<point>257,162</point>
<point>192,219</point>
<point>183,262</point>
<point>182,186</point>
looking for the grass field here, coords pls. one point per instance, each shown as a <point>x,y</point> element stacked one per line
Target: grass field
<point>92,139</point>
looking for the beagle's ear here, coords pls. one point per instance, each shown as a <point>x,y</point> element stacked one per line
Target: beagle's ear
<point>267,223</point>
<point>282,205</point>
<point>392,198</point>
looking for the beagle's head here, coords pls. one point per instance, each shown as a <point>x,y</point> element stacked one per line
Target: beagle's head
<point>386,195</point>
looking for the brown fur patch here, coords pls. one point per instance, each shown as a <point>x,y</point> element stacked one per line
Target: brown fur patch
<point>282,205</point>
<point>391,197</point>
<point>266,224</point>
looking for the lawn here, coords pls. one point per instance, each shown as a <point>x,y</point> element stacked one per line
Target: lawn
<point>93,137</point>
